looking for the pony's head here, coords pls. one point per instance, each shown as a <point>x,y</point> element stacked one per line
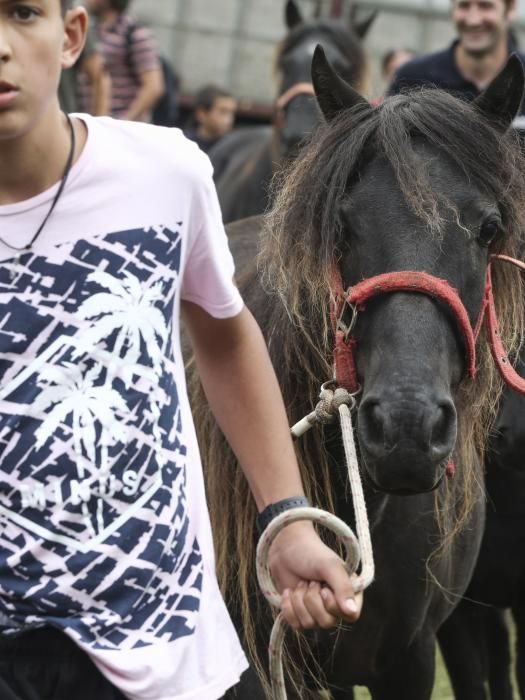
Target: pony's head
<point>423,183</point>
<point>297,113</point>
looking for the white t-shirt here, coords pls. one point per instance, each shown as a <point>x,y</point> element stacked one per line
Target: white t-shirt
<point>104,529</point>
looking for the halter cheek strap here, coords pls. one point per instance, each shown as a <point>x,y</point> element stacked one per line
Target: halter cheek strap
<point>501,359</point>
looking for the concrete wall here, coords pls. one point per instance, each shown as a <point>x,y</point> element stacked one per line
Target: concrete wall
<point>232,42</point>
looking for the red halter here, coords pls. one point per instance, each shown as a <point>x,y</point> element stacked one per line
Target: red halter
<point>488,309</point>
<point>345,373</point>
<point>422,283</point>
<point>284,100</point>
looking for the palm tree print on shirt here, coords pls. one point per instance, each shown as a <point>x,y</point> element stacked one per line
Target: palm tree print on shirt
<point>70,391</point>
<point>129,309</point>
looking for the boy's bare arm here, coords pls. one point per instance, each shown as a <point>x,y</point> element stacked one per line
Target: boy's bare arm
<point>243,393</point>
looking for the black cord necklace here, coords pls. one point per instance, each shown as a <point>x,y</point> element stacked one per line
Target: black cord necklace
<point>67,170</point>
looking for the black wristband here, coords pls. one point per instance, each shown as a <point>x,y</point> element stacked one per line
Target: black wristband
<point>274,509</point>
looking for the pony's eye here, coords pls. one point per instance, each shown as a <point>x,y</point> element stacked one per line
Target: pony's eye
<point>488,230</point>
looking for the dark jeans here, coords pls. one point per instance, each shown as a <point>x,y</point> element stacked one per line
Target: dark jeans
<point>44,664</point>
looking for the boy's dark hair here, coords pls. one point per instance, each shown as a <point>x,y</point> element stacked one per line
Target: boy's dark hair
<point>206,96</point>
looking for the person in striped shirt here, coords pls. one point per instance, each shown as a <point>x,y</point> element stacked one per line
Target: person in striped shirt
<point>131,59</point>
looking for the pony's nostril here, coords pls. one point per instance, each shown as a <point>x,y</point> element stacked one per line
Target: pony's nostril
<point>372,423</point>
<point>443,429</point>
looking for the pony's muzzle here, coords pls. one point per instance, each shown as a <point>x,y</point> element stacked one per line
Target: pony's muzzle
<point>406,443</point>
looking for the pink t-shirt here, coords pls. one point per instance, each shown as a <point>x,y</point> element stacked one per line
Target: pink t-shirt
<point>104,528</point>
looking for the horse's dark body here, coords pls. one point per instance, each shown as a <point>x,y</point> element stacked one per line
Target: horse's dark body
<point>243,170</point>
<point>391,617</point>
<point>416,406</point>
<point>475,639</point>
<point>245,160</point>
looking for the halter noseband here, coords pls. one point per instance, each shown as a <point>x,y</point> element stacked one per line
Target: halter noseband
<point>355,297</point>
<point>287,96</point>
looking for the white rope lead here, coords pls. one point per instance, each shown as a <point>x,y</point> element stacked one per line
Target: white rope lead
<point>331,404</point>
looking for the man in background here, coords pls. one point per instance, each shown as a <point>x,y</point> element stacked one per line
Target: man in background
<point>131,59</point>
<point>472,61</point>
<point>213,114</point>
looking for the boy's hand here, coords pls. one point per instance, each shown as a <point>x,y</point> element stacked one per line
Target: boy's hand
<point>316,589</point>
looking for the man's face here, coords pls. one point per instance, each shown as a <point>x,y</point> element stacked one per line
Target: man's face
<point>32,54</point>
<point>482,24</point>
<point>218,121</point>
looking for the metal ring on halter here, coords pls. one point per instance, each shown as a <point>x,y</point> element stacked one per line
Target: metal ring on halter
<point>341,325</point>
<point>333,523</point>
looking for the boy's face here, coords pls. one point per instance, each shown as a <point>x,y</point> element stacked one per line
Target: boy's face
<point>36,42</point>
<point>482,24</point>
<point>218,120</point>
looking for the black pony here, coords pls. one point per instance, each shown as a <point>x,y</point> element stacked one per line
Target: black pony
<point>475,639</point>
<point>422,183</point>
<point>245,160</point>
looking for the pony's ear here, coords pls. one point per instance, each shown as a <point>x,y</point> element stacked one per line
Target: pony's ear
<point>292,14</point>
<point>500,102</point>
<point>361,27</point>
<point>332,92</point>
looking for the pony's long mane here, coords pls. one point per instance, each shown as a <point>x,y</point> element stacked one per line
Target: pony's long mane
<point>338,34</point>
<point>303,237</point>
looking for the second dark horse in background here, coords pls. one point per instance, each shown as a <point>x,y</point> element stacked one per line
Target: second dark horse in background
<point>475,638</point>
<point>245,160</point>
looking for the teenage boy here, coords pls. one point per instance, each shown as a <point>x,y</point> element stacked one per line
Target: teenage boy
<point>107,229</point>
<point>213,114</point>
<point>472,61</point>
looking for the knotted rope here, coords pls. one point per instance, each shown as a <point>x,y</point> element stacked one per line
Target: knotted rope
<point>332,404</point>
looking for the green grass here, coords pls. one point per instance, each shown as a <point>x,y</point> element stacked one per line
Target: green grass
<point>442,690</point>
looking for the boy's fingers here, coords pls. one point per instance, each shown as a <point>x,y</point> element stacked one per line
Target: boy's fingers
<point>315,605</point>
<point>302,613</point>
<point>343,600</point>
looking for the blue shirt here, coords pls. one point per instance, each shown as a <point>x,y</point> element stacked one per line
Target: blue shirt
<point>438,70</point>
